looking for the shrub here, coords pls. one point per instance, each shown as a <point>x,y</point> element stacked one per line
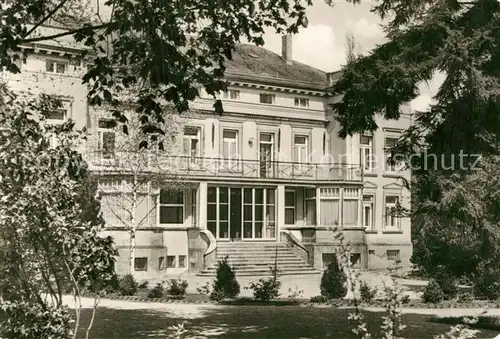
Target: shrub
<point>333,281</point>
<point>204,289</point>
<point>127,285</point>
<point>448,285</point>
<point>486,281</point>
<point>143,285</point>
<point>295,293</point>
<point>157,292</point>
<point>405,299</point>
<point>225,286</point>
<point>367,294</point>
<point>433,292</point>
<point>319,299</point>
<point>265,289</point>
<point>465,297</point>
<point>177,288</point>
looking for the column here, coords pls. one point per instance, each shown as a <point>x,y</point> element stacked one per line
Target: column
<point>280,206</point>
<point>318,207</point>
<point>202,205</point>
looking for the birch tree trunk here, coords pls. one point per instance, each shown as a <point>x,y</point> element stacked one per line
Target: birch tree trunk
<point>133,226</point>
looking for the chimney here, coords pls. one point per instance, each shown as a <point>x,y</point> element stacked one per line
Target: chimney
<point>286,48</point>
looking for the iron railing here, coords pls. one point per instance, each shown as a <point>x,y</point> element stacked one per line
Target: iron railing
<point>194,166</point>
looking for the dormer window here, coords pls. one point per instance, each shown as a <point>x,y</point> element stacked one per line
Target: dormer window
<point>301,102</point>
<point>54,66</point>
<point>232,95</point>
<point>266,98</point>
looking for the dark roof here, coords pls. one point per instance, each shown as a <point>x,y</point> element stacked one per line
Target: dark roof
<point>249,61</point>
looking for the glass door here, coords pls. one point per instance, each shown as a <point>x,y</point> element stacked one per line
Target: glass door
<point>266,150</point>
<point>235,214</point>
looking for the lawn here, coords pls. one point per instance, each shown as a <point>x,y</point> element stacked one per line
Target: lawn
<point>250,322</point>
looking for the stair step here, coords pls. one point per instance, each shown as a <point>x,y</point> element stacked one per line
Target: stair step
<point>263,273</point>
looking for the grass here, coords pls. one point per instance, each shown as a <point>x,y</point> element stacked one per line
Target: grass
<point>251,321</point>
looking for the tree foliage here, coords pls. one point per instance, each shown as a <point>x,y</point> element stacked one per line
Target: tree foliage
<point>455,198</point>
<point>164,50</point>
<point>49,223</point>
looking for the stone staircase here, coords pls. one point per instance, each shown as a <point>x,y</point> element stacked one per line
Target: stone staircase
<point>256,258</point>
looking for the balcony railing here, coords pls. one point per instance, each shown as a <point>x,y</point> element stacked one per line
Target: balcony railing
<point>193,166</point>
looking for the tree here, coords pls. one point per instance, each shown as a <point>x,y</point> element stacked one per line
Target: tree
<point>333,281</point>
<point>49,241</point>
<point>139,168</point>
<point>453,225</point>
<point>165,50</point>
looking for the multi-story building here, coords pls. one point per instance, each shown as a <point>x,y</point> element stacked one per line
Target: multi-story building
<point>268,177</point>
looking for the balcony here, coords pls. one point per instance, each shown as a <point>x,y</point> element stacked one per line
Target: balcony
<point>207,167</point>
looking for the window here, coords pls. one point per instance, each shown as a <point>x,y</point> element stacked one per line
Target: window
<point>56,116</point>
<point>330,206</point>
<point>327,259</point>
<point>194,212</point>
<point>191,143</point>
<point>270,221</point>
<point>350,207</point>
<point>289,207</point>
<point>141,264</point>
<point>232,94</point>
<point>53,66</point>
<point>393,255</point>
<point>182,261</point>
<point>366,152</point>
<point>371,252</point>
<point>161,263</point>
<point>171,207</point>
<point>106,137</point>
<point>267,98</point>
<point>301,102</point>
<point>355,260</point>
<point>389,143</point>
<point>230,150</point>
<point>310,197</point>
<point>212,210</point>
<point>170,261</point>
<point>368,211</point>
<point>300,149</point>
<point>391,220</point>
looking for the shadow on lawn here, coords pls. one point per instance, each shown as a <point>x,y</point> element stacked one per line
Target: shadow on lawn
<point>254,321</point>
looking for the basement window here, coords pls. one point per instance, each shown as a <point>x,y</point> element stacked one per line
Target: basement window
<point>141,264</point>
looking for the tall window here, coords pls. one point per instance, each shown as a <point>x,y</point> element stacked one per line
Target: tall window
<point>266,98</point>
<point>230,148</point>
<point>289,207</point>
<point>232,94</point>
<point>106,138</point>
<point>270,213</point>
<point>53,66</point>
<point>330,206</point>
<point>300,149</point>
<point>191,143</point>
<point>212,210</point>
<point>366,152</point>
<point>350,207</point>
<point>171,207</point>
<point>368,209</point>
<point>301,102</point>
<point>391,220</point>
<point>310,197</point>
<point>389,143</point>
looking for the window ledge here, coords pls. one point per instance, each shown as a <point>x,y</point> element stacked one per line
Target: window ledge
<point>392,231</point>
<point>392,175</point>
<point>371,231</point>
<point>370,174</point>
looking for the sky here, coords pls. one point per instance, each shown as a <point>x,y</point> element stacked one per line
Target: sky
<point>322,43</point>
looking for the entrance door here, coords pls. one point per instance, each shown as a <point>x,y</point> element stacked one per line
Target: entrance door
<point>266,154</point>
<point>235,214</point>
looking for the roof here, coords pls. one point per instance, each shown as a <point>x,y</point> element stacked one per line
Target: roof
<point>259,63</point>
<point>249,63</point>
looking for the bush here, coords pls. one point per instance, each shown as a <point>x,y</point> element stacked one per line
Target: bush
<point>333,281</point>
<point>157,292</point>
<point>367,294</point>
<point>448,285</point>
<point>486,281</point>
<point>128,285</point>
<point>319,299</point>
<point>405,299</point>
<point>143,285</point>
<point>177,288</point>
<point>204,289</point>
<point>266,289</point>
<point>465,297</point>
<point>225,286</point>
<point>433,292</point>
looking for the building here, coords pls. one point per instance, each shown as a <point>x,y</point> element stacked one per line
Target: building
<point>270,173</point>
